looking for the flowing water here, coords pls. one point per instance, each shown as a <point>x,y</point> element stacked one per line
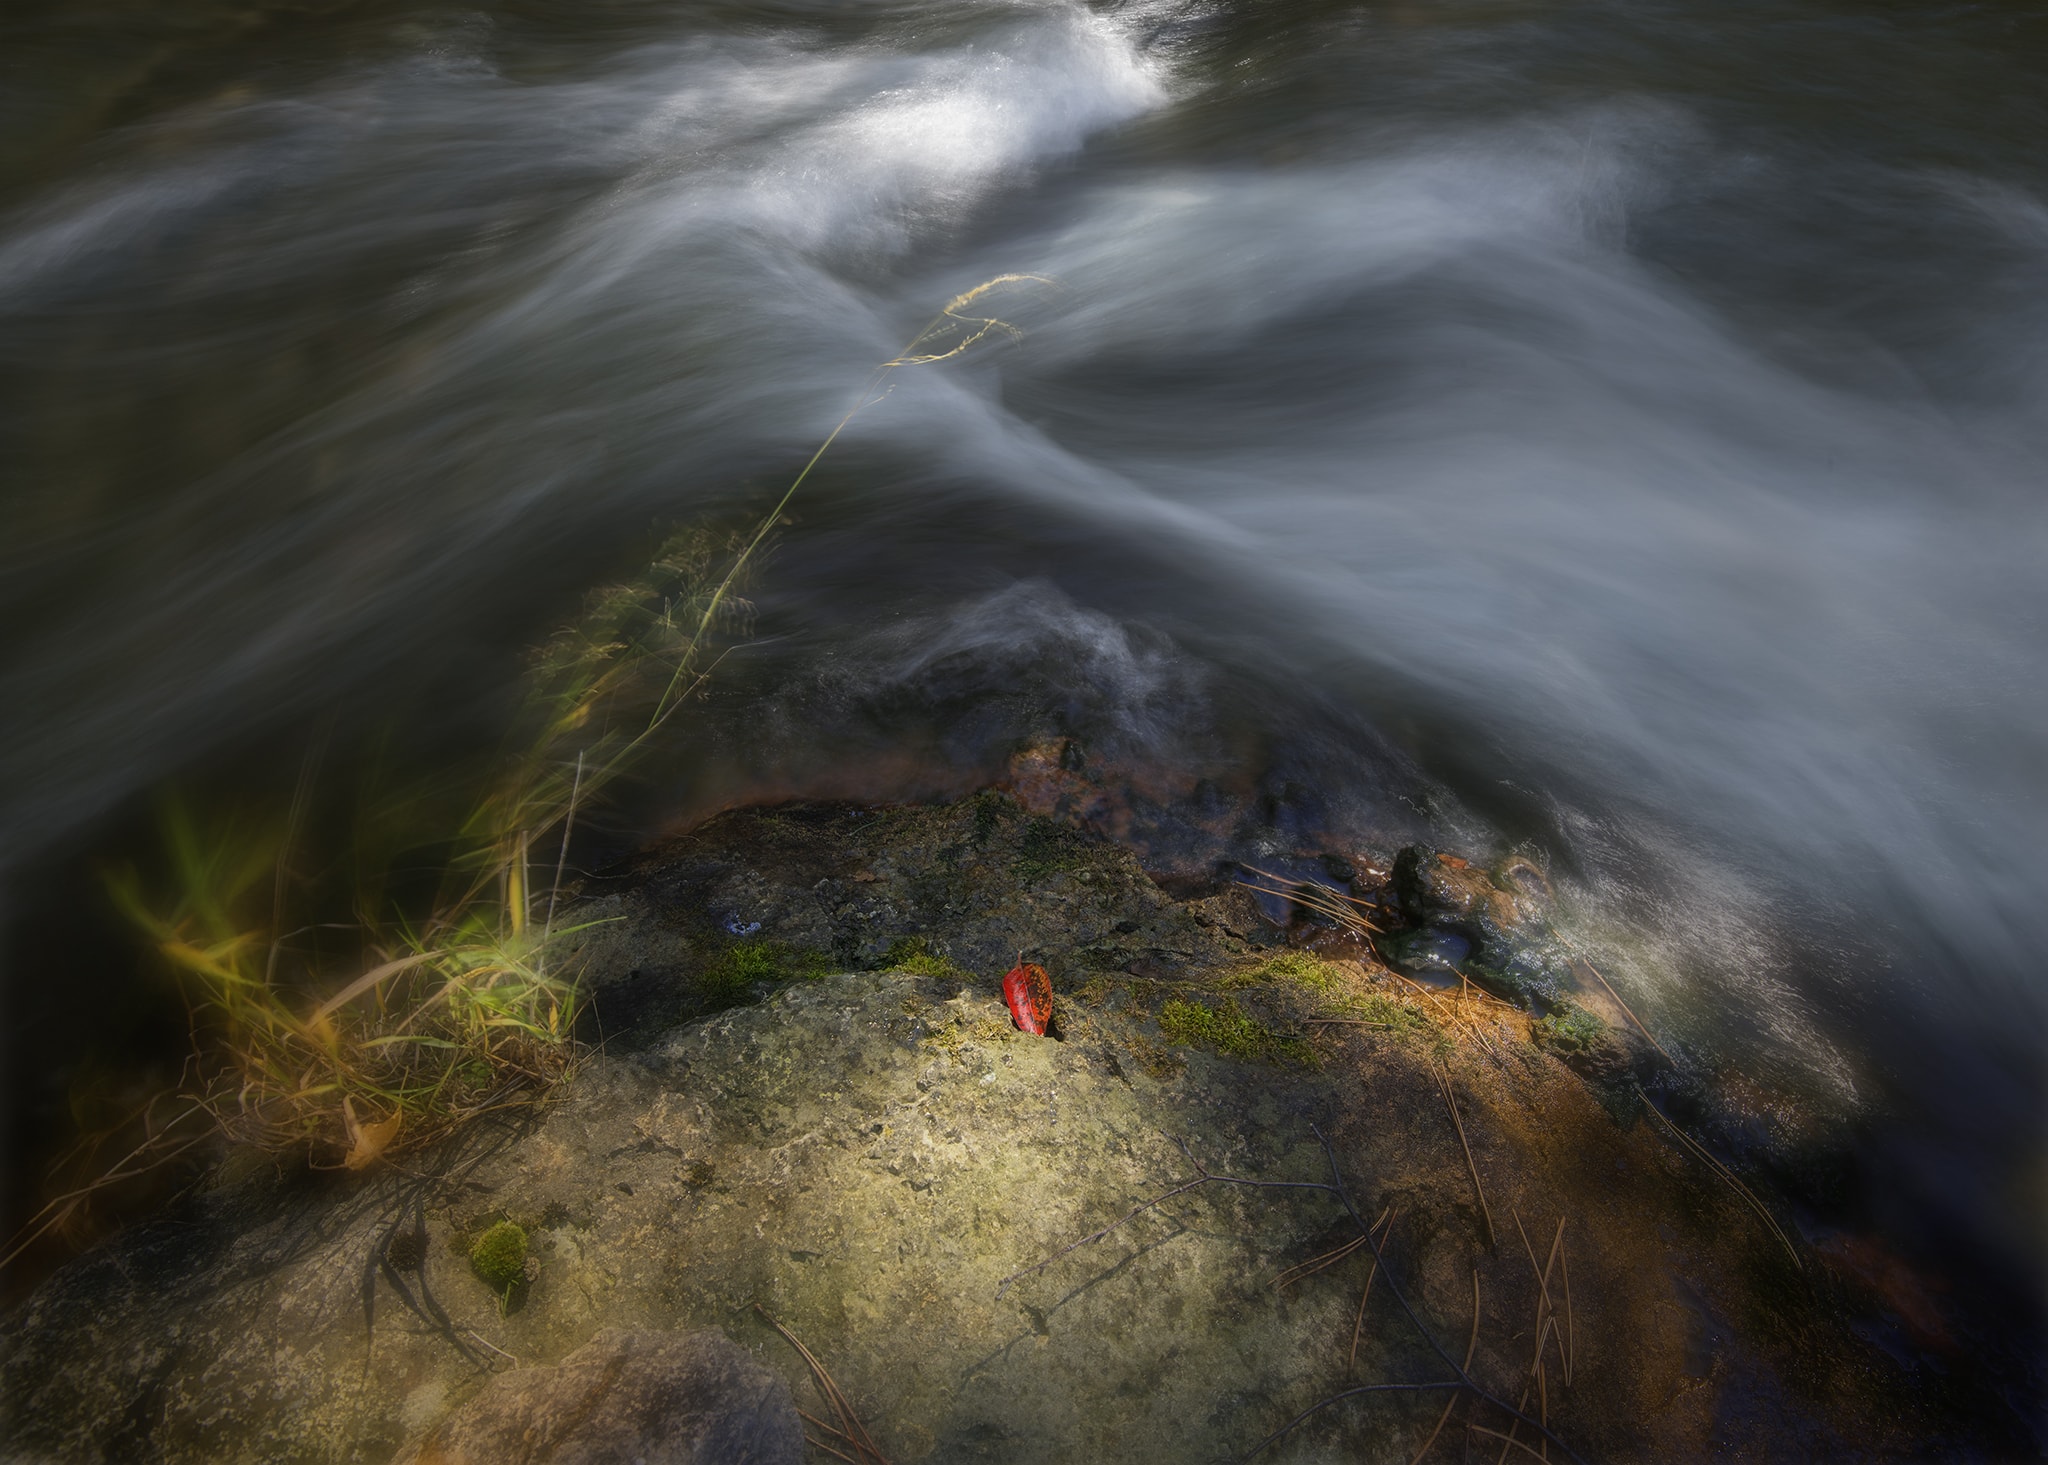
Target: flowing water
<point>1629,415</point>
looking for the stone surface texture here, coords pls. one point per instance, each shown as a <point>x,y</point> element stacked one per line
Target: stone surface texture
<point>627,1398</point>
<point>870,1157</point>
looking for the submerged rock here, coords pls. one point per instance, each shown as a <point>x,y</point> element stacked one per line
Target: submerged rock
<point>1500,916</point>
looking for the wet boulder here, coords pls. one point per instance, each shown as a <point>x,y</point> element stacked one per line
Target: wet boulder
<point>1499,917</point>
<point>1588,1046</point>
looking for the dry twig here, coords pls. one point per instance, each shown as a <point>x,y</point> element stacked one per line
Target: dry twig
<point>1471,1346</point>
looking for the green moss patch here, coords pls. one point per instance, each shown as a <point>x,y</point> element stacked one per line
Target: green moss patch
<point>913,954</point>
<point>1231,1031</point>
<point>1047,847</point>
<point>1571,1029</point>
<point>1387,1012</point>
<point>1292,968</point>
<point>498,1257</point>
<point>731,977</point>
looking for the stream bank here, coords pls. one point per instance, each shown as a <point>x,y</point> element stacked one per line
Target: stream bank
<point>805,1101</point>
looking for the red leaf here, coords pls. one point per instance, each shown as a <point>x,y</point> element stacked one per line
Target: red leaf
<point>1028,990</point>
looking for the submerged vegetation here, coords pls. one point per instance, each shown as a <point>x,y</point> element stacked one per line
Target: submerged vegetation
<point>429,1010</point>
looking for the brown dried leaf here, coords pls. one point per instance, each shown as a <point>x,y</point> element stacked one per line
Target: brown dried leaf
<point>367,1141</point>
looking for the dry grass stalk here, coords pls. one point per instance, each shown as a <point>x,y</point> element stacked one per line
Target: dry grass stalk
<point>1571,1332</point>
<point>57,1214</point>
<point>1471,1346</point>
<point>849,1429</point>
<point>810,1418</point>
<point>1727,1175</point>
<point>1443,1082</point>
<point>1365,1293</point>
<point>1455,1007</point>
<point>1309,1268</point>
<point>1304,1270</point>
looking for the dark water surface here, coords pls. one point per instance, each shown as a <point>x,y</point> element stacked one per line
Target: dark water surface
<point>1633,413</point>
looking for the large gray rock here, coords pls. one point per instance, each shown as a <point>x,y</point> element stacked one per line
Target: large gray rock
<point>627,1398</point>
<point>877,1159</point>
<point>868,1156</point>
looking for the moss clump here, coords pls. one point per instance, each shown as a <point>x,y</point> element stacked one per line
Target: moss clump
<point>730,979</point>
<point>1295,968</point>
<point>1231,1031</point>
<point>498,1257</point>
<point>1373,1007</point>
<point>913,954</point>
<point>1571,1029</point>
<point>1047,848</point>
<point>990,810</point>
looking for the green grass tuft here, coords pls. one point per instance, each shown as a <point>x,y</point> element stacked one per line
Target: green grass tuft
<point>443,1004</point>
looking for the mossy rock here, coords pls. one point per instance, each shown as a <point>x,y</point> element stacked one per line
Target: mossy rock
<point>1499,919</point>
<point>1593,1049</point>
<point>1571,1028</point>
<point>1048,847</point>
